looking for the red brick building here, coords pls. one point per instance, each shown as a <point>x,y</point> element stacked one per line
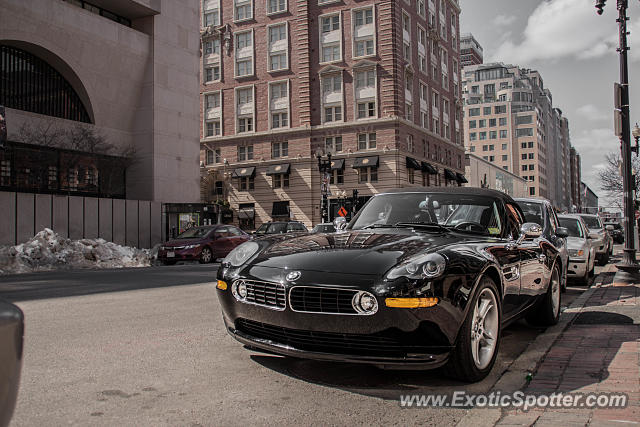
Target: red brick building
<point>375,83</point>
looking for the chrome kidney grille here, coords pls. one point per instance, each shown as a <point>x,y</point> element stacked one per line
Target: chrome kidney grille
<point>322,300</point>
<point>266,294</point>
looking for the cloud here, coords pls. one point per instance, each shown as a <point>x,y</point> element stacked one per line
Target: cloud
<point>591,112</point>
<point>504,20</point>
<point>593,145</point>
<point>559,29</point>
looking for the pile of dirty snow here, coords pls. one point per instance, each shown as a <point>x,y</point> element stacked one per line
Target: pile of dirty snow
<point>48,250</point>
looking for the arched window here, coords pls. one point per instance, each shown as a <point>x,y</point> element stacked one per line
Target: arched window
<point>30,84</point>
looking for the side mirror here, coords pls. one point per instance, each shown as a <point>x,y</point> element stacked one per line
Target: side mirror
<point>562,232</point>
<point>530,230</point>
<point>340,223</point>
<point>610,227</point>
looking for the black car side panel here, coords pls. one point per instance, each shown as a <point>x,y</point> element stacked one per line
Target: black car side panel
<point>11,336</point>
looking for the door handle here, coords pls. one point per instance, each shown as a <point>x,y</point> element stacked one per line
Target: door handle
<point>542,258</point>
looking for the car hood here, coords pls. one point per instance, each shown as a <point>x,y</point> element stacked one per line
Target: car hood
<point>575,243</point>
<point>364,252</point>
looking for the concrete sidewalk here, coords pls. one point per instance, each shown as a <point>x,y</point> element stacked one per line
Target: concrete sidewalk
<point>599,351</point>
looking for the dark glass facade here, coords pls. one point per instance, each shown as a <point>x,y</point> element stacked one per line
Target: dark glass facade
<point>30,84</point>
<point>35,169</point>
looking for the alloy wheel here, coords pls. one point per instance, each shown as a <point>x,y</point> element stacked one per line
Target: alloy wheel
<point>205,256</point>
<point>484,329</point>
<point>555,291</point>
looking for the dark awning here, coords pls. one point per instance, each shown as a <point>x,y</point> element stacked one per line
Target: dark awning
<point>366,162</point>
<point>280,209</point>
<point>449,174</point>
<point>426,167</point>
<point>461,178</point>
<point>413,164</point>
<point>337,164</point>
<point>246,213</point>
<point>244,172</point>
<point>279,169</point>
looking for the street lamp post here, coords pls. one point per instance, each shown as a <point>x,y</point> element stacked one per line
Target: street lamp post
<point>324,166</point>
<point>629,258</point>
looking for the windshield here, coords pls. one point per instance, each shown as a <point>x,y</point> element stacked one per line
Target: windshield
<point>573,226</point>
<point>532,212</point>
<point>276,228</point>
<point>478,214</point>
<point>194,233</point>
<point>592,222</point>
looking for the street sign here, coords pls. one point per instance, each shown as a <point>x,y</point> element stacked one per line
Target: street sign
<point>342,211</point>
<point>617,123</point>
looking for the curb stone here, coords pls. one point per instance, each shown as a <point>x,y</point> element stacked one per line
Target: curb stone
<point>514,378</point>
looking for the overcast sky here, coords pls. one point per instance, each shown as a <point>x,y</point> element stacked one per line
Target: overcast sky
<point>574,50</point>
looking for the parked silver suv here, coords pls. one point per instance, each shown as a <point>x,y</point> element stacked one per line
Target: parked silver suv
<point>601,239</point>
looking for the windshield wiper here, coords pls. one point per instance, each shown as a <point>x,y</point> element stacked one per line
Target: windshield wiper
<point>408,225</point>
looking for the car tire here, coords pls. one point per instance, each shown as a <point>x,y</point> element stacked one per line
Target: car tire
<point>547,311</point>
<point>584,280</point>
<point>466,363</point>
<point>206,256</point>
<point>604,259</point>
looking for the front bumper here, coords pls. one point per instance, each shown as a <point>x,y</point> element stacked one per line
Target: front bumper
<point>180,255</point>
<point>418,361</point>
<point>421,338</point>
<point>577,267</point>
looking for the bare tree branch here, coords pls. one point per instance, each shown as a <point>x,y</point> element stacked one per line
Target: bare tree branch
<point>611,178</point>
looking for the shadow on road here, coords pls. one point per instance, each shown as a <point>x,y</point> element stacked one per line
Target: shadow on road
<point>59,284</point>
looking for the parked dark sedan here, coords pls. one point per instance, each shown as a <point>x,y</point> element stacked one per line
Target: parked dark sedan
<point>11,340</point>
<point>419,278</point>
<point>281,227</point>
<point>204,244</point>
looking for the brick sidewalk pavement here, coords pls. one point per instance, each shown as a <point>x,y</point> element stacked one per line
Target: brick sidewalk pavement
<point>599,352</point>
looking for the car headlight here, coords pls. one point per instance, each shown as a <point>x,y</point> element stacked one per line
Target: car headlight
<point>192,246</point>
<point>427,266</point>
<point>241,254</point>
<point>576,252</point>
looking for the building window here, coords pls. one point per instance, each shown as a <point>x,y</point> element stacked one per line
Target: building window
<point>213,156</point>
<point>532,191</point>
<point>337,177</point>
<point>244,54</point>
<point>245,153</point>
<point>277,6</point>
<point>366,141</point>
<point>410,147</point>
<point>246,183</point>
<point>31,84</point>
<point>502,121</point>
<point>245,109</point>
<point>280,181</point>
<point>330,49</point>
<point>366,110</point>
<point>211,73</point>
<point>333,114</point>
<point>243,10</point>
<point>279,149</point>
<point>278,47</point>
<point>333,144</point>
<point>332,98</point>
<point>279,104</point>
<point>212,128</point>
<point>367,175</point>
<point>364,44</point>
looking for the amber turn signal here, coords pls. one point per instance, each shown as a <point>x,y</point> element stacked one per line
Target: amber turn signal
<point>411,302</point>
<point>222,285</point>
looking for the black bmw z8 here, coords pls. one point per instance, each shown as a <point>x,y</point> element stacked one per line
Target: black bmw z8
<point>420,278</point>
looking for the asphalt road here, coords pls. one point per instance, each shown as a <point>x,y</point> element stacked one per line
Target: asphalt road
<point>147,347</point>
